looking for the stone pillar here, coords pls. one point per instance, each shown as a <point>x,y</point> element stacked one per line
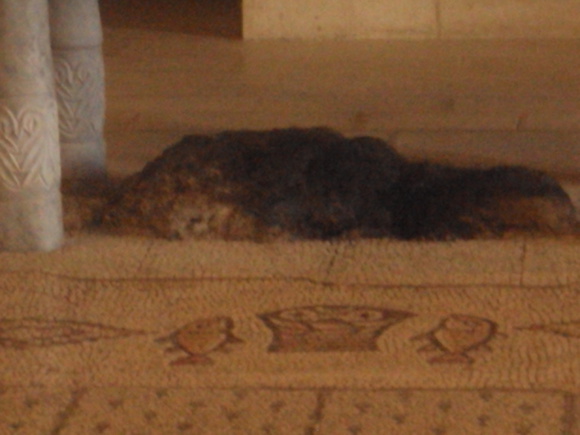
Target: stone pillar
<point>30,201</point>
<point>76,38</point>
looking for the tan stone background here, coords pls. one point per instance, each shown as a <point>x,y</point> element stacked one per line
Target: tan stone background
<point>410,19</point>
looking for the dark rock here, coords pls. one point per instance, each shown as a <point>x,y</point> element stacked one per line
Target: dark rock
<point>315,183</point>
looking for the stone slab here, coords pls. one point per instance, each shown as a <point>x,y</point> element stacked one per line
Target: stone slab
<point>556,152</point>
<point>83,256</point>
<point>348,19</point>
<point>243,260</point>
<point>417,264</point>
<point>162,81</point>
<point>510,19</point>
<point>344,19</point>
<point>549,263</point>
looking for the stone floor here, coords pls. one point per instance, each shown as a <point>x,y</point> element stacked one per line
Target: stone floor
<point>263,411</point>
<point>469,102</point>
<point>176,71</point>
<point>462,102</point>
<point>485,101</point>
<point>88,350</point>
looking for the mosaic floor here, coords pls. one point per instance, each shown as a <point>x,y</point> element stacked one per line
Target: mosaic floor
<point>355,338</point>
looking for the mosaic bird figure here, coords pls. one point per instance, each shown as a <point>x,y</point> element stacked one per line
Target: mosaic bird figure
<point>456,335</point>
<point>201,337</point>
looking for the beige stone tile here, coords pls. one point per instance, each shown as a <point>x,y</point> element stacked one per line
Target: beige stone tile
<point>475,67</point>
<point>332,92</point>
<point>559,115</point>
<point>299,19</point>
<point>344,19</point>
<point>555,152</point>
<point>263,109</point>
<point>408,19</point>
<point>446,111</point>
<point>551,262</point>
<point>86,256</point>
<point>184,411</point>
<point>363,262</point>
<point>444,412</point>
<point>31,411</point>
<point>184,82</point>
<point>488,110</point>
<point>429,263</point>
<point>219,259</point>
<point>510,19</point>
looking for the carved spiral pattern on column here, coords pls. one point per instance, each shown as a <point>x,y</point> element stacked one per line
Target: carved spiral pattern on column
<point>80,94</point>
<point>29,155</point>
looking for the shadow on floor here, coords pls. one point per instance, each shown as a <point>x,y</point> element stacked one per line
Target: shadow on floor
<point>218,18</point>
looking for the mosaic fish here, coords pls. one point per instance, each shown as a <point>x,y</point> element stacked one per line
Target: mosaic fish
<point>32,332</point>
<point>201,337</point>
<point>457,335</point>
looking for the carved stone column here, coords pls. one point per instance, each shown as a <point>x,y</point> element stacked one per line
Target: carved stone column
<point>30,201</point>
<point>76,38</point>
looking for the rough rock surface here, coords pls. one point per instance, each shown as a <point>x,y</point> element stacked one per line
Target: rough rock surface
<point>316,183</point>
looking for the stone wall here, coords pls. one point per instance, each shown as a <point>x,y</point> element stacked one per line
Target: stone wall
<point>410,19</point>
